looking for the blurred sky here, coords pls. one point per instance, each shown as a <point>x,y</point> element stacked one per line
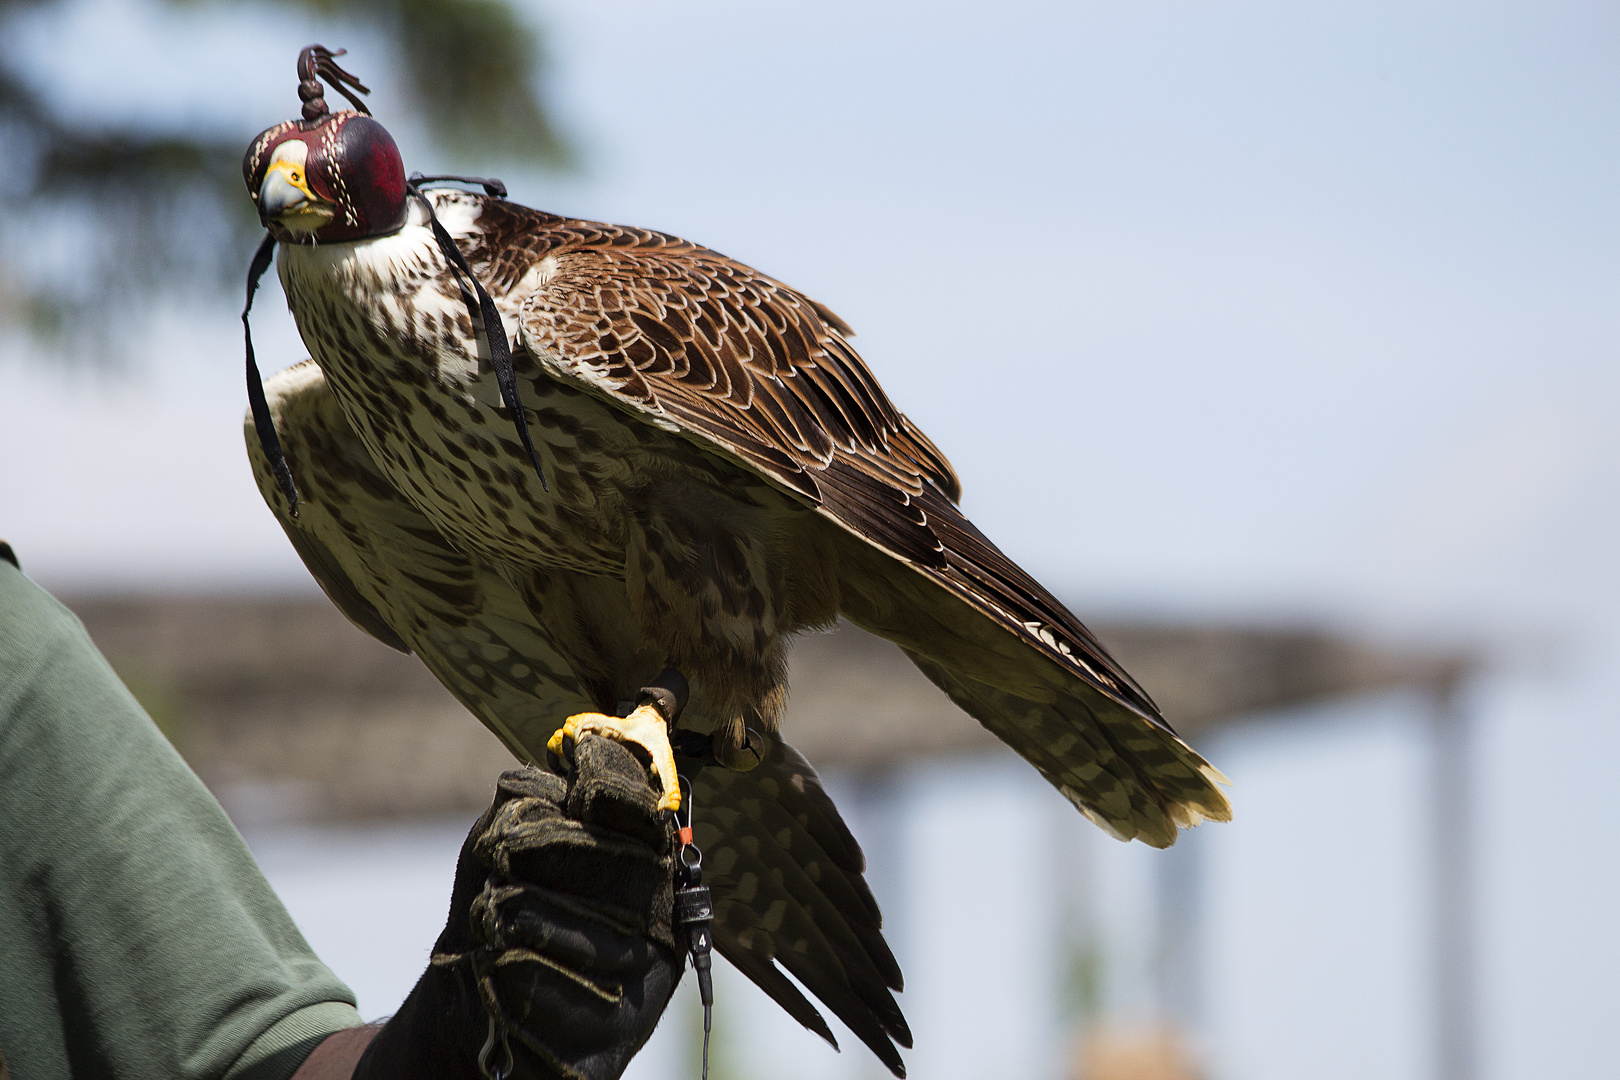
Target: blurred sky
<point>1258,308</point>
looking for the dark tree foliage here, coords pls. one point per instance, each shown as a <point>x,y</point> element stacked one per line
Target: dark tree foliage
<point>106,218</point>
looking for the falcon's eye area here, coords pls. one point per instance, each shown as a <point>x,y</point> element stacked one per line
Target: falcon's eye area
<point>263,149</point>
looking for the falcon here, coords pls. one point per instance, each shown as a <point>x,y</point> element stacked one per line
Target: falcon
<point>557,459</point>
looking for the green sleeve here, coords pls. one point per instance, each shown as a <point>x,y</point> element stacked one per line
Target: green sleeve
<point>137,936</point>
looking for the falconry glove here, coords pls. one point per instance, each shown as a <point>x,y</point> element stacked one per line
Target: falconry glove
<point>559,956</point>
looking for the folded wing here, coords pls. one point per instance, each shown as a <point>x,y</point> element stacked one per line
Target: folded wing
<point>688,339</point>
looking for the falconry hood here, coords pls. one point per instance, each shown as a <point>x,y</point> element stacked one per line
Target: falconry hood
<point>329,177</point>
<point>336,177</point>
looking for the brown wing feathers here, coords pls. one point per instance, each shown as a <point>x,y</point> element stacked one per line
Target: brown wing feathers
<point>751,364</point>
<point>979,570</point>
<point>745,363</point>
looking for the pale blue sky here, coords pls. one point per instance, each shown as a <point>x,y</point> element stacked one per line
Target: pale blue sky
<point>1255,307</point>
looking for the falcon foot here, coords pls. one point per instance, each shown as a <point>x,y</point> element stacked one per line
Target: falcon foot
<point>644,727</point>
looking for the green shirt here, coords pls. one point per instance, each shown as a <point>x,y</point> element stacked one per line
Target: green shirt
<point>137,936</point>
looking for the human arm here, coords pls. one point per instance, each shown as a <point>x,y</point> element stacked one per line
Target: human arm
<point>137,936</point>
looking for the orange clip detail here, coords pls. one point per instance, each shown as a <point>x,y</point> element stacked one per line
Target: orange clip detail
<point>685,835</point>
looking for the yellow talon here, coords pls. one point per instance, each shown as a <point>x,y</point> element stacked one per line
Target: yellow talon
<point>645,727</point>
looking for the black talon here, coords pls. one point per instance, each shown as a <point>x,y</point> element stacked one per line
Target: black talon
<point>667,694</point>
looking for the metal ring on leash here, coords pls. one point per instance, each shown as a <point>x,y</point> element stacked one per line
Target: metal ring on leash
<point>497,1034</point>
<point>690,855</point>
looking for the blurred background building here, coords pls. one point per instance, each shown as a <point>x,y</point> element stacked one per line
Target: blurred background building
<point>1279,340</point>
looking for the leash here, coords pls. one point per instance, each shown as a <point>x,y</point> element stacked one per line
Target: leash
<point>263,424</point>
<point>481,308</point>
<point>694,910</point>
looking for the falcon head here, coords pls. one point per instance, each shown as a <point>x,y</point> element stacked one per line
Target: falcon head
<point>337,177</point>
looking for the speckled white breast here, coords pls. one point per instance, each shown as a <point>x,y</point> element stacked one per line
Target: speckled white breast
<point>384,320</point>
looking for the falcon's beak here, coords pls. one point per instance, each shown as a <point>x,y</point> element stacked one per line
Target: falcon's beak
<point>285,198</point>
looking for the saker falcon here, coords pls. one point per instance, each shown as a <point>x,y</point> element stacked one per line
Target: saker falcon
<point>701,468</point>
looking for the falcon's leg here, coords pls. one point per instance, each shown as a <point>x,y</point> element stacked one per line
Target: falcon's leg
<point>645,727</point>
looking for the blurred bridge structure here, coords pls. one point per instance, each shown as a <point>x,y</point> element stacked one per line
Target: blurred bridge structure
<point>293,717</point>
<point>289,713</point>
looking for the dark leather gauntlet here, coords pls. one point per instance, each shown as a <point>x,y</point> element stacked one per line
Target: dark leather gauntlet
<point>558,957</point>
